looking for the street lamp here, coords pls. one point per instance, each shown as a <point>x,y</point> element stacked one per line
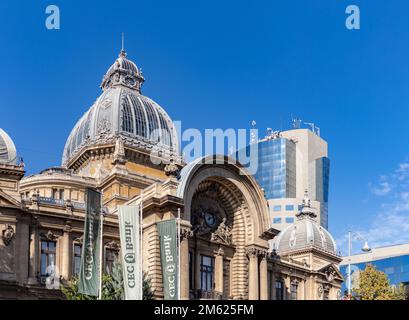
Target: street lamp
<point>354,236</point>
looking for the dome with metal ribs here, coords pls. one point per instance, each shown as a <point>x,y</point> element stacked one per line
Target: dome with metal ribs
<point>123,112</point>
<point>8,153</point>
<point>305,233</point>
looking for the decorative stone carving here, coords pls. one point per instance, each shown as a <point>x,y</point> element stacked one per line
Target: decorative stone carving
<point>320,290</point>
<point>104,126</point>
<point>113,245</point>
<point>220,252</point>
<point>50,236</point>
<point>185,234</point>
<point>223,234</point>
<point>256,252</point>
<point>8,235</point>
<point>69,206</point>
<point>172,170</point>
<point>252,252</point>
<point>79,240</point>
<point>330,273</point>
<point>68,226</point>
<point>119,154</point>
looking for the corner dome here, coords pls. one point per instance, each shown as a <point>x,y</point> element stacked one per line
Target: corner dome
<point>122,112</point>
<point>305,233</point>
<point>8,152</point>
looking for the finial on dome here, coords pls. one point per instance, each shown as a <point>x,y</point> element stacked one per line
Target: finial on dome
<point>306,201</point>
<point>306,210</point>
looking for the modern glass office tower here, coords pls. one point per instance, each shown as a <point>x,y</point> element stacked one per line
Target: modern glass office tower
<point>276,169</point>
<point>393,260</point>
<point>289,163</point>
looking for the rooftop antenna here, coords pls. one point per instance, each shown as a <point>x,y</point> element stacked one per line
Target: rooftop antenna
<point>312,125</point>
<point>296,123</point>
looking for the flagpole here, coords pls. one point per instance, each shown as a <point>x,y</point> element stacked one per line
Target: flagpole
<point>101,248</point>
<point>179,243</point>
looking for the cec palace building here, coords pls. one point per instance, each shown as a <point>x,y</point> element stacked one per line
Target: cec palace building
<point>127,146</point>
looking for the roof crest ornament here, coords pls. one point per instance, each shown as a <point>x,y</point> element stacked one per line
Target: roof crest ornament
<point>306,209</point>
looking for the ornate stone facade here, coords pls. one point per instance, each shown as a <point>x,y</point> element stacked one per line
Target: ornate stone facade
<point>225,225</point>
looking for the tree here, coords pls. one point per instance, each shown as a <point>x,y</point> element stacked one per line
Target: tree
<point>112,286</point>
<point>374,285</point>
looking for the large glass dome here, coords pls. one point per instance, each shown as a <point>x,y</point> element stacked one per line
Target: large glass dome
<point>123,112</point>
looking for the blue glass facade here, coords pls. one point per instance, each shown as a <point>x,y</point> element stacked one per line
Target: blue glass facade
<point>322,166</point>
<point>396,268</point>
<point>276,172</point>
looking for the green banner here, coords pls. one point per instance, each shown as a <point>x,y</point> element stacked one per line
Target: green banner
<point>89,276</point>
<point>169,257</point>
<point>129,231</point>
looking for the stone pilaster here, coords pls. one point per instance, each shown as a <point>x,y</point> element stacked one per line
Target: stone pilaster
<point>185,234</point>
<point>263,276</point>
<point>34,253</point>
<point>66,259</point>
<point>287,288</point>
<point>22,251</point>
<point>219,271</point>
<point>253,286</point>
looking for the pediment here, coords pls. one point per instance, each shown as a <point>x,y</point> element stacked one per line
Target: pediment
<point>7,200</point>
<point>331,272</point>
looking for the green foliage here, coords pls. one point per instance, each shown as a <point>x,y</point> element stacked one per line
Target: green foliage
<point>112,286</point>
<point>374,285</point>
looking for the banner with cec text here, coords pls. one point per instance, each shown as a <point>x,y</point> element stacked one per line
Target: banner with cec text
<point>130,248</point>
<point>88,282</point>
<point>169,258</point>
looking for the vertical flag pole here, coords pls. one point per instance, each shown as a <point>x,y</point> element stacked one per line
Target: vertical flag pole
<point>140,242</point>
<point>101,248</point>
<point>179,243</point>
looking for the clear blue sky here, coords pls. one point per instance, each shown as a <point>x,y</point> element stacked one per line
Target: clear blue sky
<point>221,65</point>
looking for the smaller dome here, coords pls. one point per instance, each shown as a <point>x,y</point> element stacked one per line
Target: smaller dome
<point>8,152</point>
<point>305,233</point>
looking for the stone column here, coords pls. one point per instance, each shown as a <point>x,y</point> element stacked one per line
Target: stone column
<point>22,250</point>
<point>219,271</point>
<point>287,288</point>
<point>66,254</point>
<point>263,276</point>
<point>184,264</point>
<point>252,254</point>
<point>273,285</point>
<point>34,253</point>
<point>301,289</point>
<point>197,271</point>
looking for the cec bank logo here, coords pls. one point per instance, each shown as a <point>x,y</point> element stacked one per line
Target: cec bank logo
<point>130,258</point>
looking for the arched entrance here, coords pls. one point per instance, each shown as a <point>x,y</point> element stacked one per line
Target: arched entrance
<point>228,215</point>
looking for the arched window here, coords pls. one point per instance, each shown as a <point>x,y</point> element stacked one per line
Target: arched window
<point>127,121</point>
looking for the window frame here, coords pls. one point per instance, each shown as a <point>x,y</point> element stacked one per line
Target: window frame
<point>207,271</point>
<point>279,290</point>
<point>47,252</point>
